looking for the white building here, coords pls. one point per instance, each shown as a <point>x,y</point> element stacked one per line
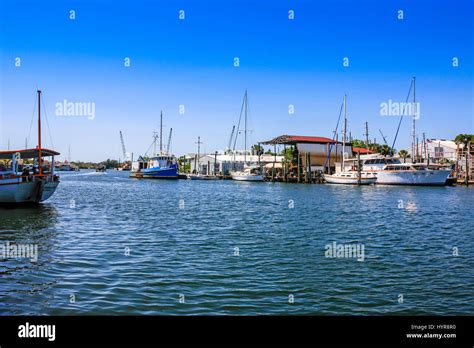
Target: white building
<point>438,149</point>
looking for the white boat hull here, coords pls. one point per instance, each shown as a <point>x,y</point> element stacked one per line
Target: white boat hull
<point>335,179</point>
<point>419,177</point>
<point>247,177</point>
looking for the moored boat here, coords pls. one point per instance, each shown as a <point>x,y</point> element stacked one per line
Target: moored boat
<point>248,174</point>
<point>351,178</point>
<point>412,174</point>
<point>162,165</point>
<point>28,183</point>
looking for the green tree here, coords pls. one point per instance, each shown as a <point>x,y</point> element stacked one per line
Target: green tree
<point>403,154</point>
<point>464,138</point>
<point>359,143</point>
<point>289,154</point>
<point>385,150</point>
<point>257,150</point>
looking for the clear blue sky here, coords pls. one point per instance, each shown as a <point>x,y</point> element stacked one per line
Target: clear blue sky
<point>190,62</point>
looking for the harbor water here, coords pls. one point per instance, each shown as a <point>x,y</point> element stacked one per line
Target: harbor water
<point>112,245</point>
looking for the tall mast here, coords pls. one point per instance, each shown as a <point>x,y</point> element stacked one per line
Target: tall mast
<point>366,135</point>
<point>245,130</point>
<point>161,132</point>
<point>198,154</point>
<point>413,144</point>
<point>344,135</point>
<point>39,134</point>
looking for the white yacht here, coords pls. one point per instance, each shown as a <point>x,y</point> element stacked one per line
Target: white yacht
<point>412,174</point>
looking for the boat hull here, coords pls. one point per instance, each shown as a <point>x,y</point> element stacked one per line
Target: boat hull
<point>415,178</point>
<point>247,177</point>
<point>26,192</point>
<point>157,173</point>
<point>332,179</point>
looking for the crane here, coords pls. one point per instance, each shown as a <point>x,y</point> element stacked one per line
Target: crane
<point>231,137</point>
<point>125,154</point>
<point>169,141</point>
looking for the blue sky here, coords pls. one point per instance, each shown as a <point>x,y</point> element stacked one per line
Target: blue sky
<point>190,62</point>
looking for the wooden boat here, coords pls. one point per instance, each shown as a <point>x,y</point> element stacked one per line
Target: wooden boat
<point>27,183</point>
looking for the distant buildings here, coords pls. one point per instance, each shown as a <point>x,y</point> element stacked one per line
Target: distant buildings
<point>437,150</point>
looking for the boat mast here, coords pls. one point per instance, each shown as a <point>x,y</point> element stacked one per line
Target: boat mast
<point>414,148</point>
<point>39,134</point>
<point>161,132</point>
<point>198,154</point>
<point>344,135</point>
<point>245,130</point>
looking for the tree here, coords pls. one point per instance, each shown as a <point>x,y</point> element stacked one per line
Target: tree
<point>403,154</point>
<point>289,154</point>
<point>257,150</point>
<point>359,143</point>
<point>464,138</point>
<point>385,150</point>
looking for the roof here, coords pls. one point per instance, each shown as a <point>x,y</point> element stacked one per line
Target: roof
<point>28,153</point>
<point>362,150</point>
<point>298,139</point>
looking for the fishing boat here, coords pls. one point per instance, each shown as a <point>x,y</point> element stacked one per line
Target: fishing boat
<point>162,165</point>
<point>249,172</point>
<point>412,174</point>
<point>349,177</point>
<point>28,183</point>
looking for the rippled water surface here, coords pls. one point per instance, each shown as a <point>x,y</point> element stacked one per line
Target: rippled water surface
<point>113,245</point>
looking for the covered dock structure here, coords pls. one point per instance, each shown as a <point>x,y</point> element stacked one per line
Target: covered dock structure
<point>311,155</point>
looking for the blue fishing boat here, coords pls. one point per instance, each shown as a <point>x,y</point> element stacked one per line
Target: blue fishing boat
<point>162,165</point>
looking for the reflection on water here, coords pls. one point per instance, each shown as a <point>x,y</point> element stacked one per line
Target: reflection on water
<point>111,245</point>
<point>30,226</point>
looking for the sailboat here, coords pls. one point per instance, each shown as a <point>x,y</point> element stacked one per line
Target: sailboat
<point>349,177</point>
<point>249,172</point>
<point>28,183</point>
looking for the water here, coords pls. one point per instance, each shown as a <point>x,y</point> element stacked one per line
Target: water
<point>121,246</point>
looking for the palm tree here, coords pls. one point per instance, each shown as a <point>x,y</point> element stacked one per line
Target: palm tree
<point>403,154</point>
<point>257,150</point>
